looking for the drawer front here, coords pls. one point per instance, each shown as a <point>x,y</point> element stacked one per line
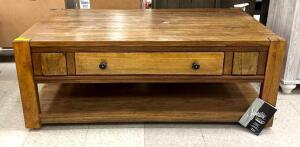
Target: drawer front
<point>49,64</point>
<point>203,63</point>
<point>245,63</point>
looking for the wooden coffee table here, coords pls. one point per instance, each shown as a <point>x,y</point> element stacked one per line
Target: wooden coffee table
<point>106,66</point>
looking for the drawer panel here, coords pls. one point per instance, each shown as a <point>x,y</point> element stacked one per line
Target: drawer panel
<point>211,63</point>
<point>49,64</point>
<point>245,63</point>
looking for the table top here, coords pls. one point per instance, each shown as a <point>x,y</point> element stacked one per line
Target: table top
<point>156,27</point>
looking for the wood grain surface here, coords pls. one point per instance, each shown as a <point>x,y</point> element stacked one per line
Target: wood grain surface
<point>269,90</point>
<point>262,63</point>
<point>141,46</point>
<point>228,63</point>
<point>54,64</point>
<point>150,63</point>
<point>87,103</point>
<point>148,79</point>
<point>87,48</point>
<point>27,85</point>
<point>70,57</point>
<point>270,86</point>
<point>159,27</point>
<point>49,64</point>
<point>245,63</point>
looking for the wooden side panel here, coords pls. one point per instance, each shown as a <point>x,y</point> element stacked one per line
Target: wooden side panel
<point>53,64</point>
<point>37,66</point>
<point>228,63</point>
<point>27,85</point>
<point>211,63</point>
<point>71,63</point>
<point>245,63</point>
<point>262,63</point>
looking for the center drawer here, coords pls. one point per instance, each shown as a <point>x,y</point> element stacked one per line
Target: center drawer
<point>200,63</point>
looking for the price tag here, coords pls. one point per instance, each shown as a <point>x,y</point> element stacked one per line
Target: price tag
<point>257,116</point>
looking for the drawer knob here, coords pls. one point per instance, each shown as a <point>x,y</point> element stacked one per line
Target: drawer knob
<point>103,65</point>
<point>195,66</point>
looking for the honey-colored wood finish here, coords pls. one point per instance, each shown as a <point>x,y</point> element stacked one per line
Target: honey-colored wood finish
<point>273,71</point>
<point>164,27</point>
<point>71,63</point>
<point>262,63</point>
<point>49,64</point>
<point>122,49</point>
<point>245,63</point>
<point>88,103</point>
<point>228,63</point>
<point>53,64</point>
<point>28,87</point>
<point>147,79</point>
<point>37,65</point>
<point>149,63</point>
<point>270,86</point>
<point>146,46</point>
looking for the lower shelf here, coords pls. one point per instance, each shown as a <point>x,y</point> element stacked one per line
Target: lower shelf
<point>90,103</point>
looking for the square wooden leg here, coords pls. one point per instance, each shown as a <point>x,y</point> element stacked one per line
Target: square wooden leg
<point>27,85</point>
<point>270,86</point>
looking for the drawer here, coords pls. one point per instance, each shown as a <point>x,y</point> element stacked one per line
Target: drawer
<point>201,63</point>
<point>49,64</point>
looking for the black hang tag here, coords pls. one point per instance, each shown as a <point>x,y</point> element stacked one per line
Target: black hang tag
<point>262,117</point>
<point>257,116</point>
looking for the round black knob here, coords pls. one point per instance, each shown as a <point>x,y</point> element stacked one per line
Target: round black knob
<point>195,66</point>
<point>103,65</point>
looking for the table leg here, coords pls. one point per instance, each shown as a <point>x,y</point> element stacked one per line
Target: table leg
<point>270,86</point>
<point>27,85</point>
